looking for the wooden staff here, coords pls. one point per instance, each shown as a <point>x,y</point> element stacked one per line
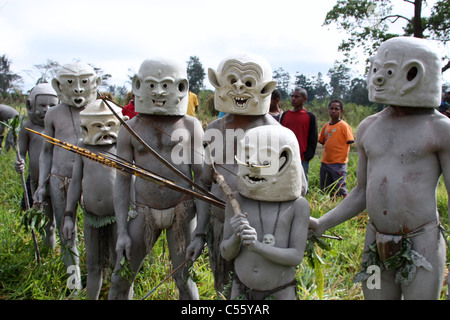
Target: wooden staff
<point>156,154</point>
<point>122,165</point>
<point>223,185</point>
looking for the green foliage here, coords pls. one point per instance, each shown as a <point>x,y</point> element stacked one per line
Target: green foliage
<point>196,74</point>
<point>34,219</point>
<point>368,22</point>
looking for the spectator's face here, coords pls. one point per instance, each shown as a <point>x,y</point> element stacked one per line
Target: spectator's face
<point>335,111</point>
<point>297,99</point>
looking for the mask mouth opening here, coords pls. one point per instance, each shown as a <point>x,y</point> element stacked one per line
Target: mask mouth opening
<point>78,101</point>
<point>240,101</point>
<point>106,138</point>
<point>158,103</point>
<point>254,179</point>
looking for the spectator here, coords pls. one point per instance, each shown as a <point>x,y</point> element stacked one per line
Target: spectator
<point>336,136</point>
<point>304,124</point>
<point>192,104</point>
<point>444,108</point>
<point>275,110</point>
<point>128,110</point>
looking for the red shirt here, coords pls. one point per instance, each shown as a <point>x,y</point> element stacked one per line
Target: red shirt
<point>304,126</point>
<point>126,110</point>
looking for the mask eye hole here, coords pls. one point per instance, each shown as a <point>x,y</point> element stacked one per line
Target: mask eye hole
<point>69,81</point>
<point>84,81</point>
<point>374,70</point>
<point>390,72</point>
<point>412,73</point>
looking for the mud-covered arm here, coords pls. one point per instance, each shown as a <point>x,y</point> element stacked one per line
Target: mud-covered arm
<point>45,158</point>
<point>122,195</point>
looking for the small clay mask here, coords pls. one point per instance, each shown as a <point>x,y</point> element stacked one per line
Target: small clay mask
<point>269,164</point>
<point>161,87</point>
<point>41,98</point>
<point>76,84</point>
<point>406,71</point>
<point>99,126</point>
<point>243,85</point>
<point>269,239</point>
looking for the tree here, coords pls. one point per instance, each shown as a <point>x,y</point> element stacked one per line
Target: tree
<point>368,23</point>
<point>195,73</point>
<point>339,80</point>
<point>314,85</point>
<point>47,70</point>
<point>358,92</point>
<point>283,80</point>
<point>8,79</point>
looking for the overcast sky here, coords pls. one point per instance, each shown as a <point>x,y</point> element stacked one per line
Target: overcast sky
<point>118,35</point>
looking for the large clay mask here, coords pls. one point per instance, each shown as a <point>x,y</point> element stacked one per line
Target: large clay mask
<point>41,98</point>
<point>243,85</point>
<point>76,84</point>
<point>161,87</point>
<point>99,126</point>
<point>269,164</point>
<point>406,72</point>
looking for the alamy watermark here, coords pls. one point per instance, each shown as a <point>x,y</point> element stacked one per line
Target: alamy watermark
<point>260,151</point>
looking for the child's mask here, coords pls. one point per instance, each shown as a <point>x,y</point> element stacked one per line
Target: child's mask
<point>41,98</point>
<point>99,126</point>
<point>270,167</point>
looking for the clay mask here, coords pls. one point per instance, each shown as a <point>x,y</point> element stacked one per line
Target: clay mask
<point>76,84</point>
<point>99,126</point>
<point>161,87</point>
<point>406,71</point>
<point>269,164</point>
<point>41,98</point>
<point>243,85</point>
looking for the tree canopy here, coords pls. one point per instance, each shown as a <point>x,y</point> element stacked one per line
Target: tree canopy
<point>368,23</point>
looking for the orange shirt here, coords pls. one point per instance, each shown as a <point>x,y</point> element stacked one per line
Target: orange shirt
<point>336,139</point>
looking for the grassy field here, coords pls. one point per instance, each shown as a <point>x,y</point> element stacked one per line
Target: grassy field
<point>21,277</point>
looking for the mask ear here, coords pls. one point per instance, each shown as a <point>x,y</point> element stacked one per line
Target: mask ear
<point>183,86</point>
<point>268,88</point>
<point>98,81</point>
<point>55,85</point>
<point>28,105</point>
<point>414,71</point>
<point>285,159</point>
<point>136,86</point>
<point>212,76</point>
